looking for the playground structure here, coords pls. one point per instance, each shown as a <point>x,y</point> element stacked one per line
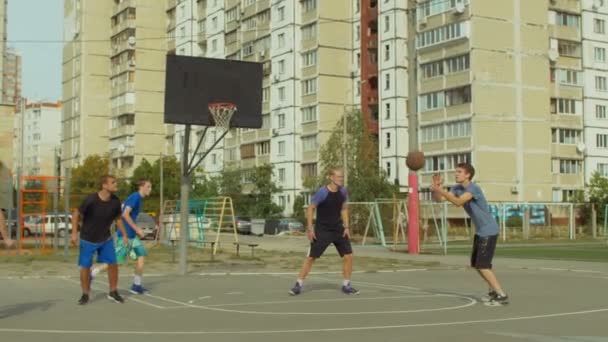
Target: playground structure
<point>205,216</point>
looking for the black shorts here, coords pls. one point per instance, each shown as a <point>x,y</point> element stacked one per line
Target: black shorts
<point>483,251</point>
<point>324,239</point>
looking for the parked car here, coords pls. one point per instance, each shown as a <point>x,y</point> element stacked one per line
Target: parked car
<point>148,224</point>
<point>243,224</point>
<point>48,223</point>
<point>290,224</point>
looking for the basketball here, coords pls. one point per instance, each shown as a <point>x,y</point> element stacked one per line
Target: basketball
<point>415,160</point>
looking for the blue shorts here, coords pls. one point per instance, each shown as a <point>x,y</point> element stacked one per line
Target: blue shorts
<point>105,253</point>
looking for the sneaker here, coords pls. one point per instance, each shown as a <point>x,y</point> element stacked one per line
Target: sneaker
<point>115,297</point>
<point>499,300</point>
<point>137,289</point>
<point>296,289</point>
<point>349,290</point>
<point>84,299</point>
<point>489,296</point>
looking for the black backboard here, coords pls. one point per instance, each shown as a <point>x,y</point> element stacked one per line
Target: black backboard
<point>191,83</point>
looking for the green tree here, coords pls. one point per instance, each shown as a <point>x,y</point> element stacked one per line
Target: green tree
<point>366,181</point>
<point>299,212</point>
<point>264,187</point>
<point>597,192</point>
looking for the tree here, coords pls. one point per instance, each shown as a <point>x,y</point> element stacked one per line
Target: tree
<point>366,181</point>
<point>299,212</point>
<point>597,191</point>
<point>264,187</point>
<point>85,178</point>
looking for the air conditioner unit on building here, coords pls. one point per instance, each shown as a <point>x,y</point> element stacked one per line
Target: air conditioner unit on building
<point>459,7</point>
<point>553,55</point>
<point>581,147</point>
<point>131,40</point>
<point>132,62</point>
<point>276,77</point>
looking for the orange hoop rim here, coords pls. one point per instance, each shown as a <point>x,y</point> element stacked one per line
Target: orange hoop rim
<point>220,105</point>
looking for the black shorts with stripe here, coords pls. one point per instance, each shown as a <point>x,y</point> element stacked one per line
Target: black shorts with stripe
<point>483,251</point>
<point>326,238</point>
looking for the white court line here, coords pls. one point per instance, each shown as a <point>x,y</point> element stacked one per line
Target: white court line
<point>199,298</point>
<point>307,331</point>
<point>312,273</point>
<point>318,300</point>
<point>129,297</point>
<point>207,307</point>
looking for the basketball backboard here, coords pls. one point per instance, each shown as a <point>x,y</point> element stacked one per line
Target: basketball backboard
<point>193,82</point>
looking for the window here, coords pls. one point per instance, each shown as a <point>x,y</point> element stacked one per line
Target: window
<point>309,58</point>
<point>565,136</point>
<point>433,69</point>
<point>388,140</point>
<point>600,83</point>
<point>309,170</point>
<point>357,33</point>
<point>567,166</point>
<point>358,60</point>
<point>309,86</point>
<point>388,169</point>
<point>452,160</point>
<point>431,101</point>
<point>281,120</point>
<point>282,202</point>
<point>431,133</point>
<point>309,5</point>
<point>434,163</point>
<point>440,34</point>
<point>281,148</point>
<point>249,2</point>
<point>248,49</point>
<point>266,94</point>
<point>214,23</point>
<point>282,94</point>
<point>357,6</point>
<point>387,81</point>
<point>358,88</point>
<point>265,121</point>
<point>570,77</point>
<point>599,26</point>
<point>264,148</point>
<point>563,106</point>
<point>601,140</point>
<point>263,17</point>
<point>309,31</point>
<point>182,11</point>
<point>309,143</point>
<point>569,49</point>
<point>458,129</point>
<point>387,111</point>
<point>281,13</point>
<point>566,19</point>
<point>214,45</point>
<point>282,66</point>
<point>600,112</point>
<point>458,96</point>
<point>387,23</point>
<point>602,169</point>
<point>456,64</point>
<point>231,15</point>
<point>387,52</point>
<point>182,32</point>
<point>309,114</point>
<point>249,23</point>
<point>213,159</point>
<point>599,54</point>
<point>282,175</point>
<point>248,151</point>
<point>281,40</point>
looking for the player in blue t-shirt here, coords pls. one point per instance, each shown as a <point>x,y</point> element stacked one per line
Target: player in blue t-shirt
<point>331,226</point>
<point>470,196</point>
<point>130,211</point>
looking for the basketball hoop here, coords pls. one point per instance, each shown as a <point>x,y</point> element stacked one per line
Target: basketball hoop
<point>222,113</point>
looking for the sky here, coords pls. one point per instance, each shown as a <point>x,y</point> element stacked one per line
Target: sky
<point>41,62</point>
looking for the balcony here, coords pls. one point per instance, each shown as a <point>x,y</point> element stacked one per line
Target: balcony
<point>127,4</point>
<point>171,4</point>
<point>171,44</point>
<point>122,131</point>
<point>117,69</point>
<point>121,47</point>
<point>123,25</point>
<point>123,109</point>
<point>122,88</point>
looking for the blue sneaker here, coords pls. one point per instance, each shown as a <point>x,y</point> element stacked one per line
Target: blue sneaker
<point>349,290</point>
<point>296,289</point>
<point>137,289</point>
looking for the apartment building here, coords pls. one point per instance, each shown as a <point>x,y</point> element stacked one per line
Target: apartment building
<point>594,15</point>
<point>309,79</point>
<point>37,138</point>
<point>11,83</point>
<point>85,80</point>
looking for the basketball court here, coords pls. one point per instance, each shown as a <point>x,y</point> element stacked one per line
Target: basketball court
<point>409,304</point>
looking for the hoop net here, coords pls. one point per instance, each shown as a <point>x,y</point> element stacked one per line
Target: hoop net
<point>222,113</point>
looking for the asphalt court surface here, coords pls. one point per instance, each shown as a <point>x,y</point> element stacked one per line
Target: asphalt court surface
<point>428,305</point>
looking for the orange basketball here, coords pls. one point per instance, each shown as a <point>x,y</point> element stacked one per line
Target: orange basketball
<point>415,160</point>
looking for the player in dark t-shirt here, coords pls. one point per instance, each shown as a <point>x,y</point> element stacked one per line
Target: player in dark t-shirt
<point>98,211</point>
<point>331,227</point>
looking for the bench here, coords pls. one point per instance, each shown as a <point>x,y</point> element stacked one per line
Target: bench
<point>250,245</point>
